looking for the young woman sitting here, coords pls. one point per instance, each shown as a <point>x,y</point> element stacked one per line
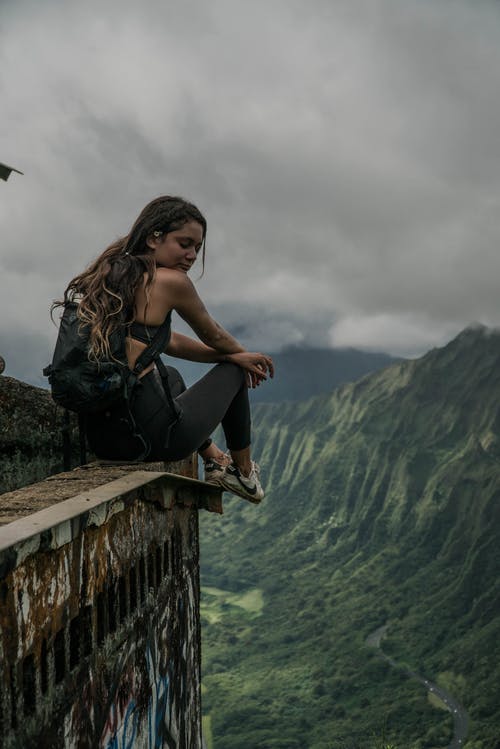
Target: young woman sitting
<point>137,282</point>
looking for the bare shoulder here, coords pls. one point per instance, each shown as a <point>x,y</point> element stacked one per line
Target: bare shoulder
<point>172,279</point>
<point>171,289</point>
<point>173,284</point>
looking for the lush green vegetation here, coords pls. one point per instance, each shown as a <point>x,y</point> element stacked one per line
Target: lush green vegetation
<point>384,507</point>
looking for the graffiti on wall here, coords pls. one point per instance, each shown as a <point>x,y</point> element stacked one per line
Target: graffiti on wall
<point>101,637</point>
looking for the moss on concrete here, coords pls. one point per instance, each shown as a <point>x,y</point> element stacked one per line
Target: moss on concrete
<point>31,436</point>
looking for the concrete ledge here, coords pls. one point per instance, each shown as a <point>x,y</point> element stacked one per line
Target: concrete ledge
<point>59,523</point>
<point>61,486</point>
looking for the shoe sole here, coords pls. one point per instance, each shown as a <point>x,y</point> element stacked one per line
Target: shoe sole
<point>215,480</point>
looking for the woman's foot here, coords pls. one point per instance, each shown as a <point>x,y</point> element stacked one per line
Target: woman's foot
<point>245,486</point>
<point>214,463</point>
<point>213,471</point>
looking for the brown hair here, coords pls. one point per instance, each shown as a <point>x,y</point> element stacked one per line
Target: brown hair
<point>106,289</point>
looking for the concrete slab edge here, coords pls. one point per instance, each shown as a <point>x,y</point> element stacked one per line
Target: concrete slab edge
<point>60,523</point>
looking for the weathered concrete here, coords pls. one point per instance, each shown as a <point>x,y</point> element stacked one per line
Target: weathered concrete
<point>34,433</point>
<point>99,609</point>
<point>24,502</point>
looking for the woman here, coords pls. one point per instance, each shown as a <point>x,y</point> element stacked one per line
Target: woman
<point>137,282</point>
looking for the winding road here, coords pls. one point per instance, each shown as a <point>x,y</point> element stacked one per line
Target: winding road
<point>460,717</point>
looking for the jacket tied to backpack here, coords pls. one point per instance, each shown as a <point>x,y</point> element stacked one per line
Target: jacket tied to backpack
<point>100,392</point>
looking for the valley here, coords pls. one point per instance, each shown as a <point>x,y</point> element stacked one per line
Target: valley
<point>437,695</point>
<point>383,505</point>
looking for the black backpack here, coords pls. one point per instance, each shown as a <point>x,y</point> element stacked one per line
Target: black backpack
<point>102,390</point>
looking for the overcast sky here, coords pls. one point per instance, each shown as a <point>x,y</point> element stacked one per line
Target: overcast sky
<point>346,154</point>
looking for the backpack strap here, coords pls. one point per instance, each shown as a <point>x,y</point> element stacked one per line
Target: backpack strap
<point>152,353</point>
<point>176,410</point>
<point>155,348</point>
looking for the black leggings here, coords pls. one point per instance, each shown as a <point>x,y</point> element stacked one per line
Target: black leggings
<point>220,397</point>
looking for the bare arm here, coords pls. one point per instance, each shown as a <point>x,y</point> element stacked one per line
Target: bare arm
<point>183,347</point>
<point>256,365</point>
<point>186,302</point>
<point>217,345</point>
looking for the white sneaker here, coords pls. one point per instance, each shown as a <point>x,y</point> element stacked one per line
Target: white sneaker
<point>248,487</point>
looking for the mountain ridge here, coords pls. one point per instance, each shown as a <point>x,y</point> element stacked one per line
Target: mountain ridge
<point>384,502</point>
<point>302,372</point>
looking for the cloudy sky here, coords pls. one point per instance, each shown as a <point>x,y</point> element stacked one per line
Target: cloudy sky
<point>346,154</point>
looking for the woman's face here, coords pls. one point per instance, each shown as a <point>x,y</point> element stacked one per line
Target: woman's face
<point>178,248</point>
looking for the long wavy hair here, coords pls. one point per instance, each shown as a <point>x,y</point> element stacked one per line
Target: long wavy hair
<point>106,290</point>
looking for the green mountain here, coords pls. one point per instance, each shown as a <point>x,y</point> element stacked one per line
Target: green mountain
<point>383,508</point>
<point>303,372</point>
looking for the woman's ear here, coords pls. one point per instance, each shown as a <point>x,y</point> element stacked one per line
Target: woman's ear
<point>152,242</point>
<point>154,239</point>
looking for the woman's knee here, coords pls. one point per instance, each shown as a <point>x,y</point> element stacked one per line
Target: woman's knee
<point>234,372</point>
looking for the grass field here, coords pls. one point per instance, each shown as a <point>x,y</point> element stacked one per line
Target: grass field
<point>206,727</point>
<point>214,601</point>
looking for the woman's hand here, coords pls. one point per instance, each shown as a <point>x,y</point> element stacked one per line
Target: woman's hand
<point>256,366</point>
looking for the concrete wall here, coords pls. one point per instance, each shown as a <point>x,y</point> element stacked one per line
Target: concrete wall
<point>37,438</point>
<point>99,609</point>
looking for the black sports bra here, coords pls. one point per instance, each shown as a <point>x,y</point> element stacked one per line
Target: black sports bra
<point>146,333</point>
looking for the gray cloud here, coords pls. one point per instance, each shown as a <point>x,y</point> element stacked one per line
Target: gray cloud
<point>26,354</point>
<point>346,156</point>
